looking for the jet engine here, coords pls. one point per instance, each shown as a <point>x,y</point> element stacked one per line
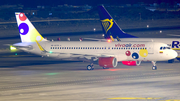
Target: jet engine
<point>107,62</point>
<point>131,63</point>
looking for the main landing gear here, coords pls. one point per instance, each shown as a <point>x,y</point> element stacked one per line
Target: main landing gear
<point>154,65</point>
<point>90,67</point>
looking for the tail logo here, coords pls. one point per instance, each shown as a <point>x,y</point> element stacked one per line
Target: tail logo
<point>107,24</point>
<point>22,17</point>
<point>28,32</point>
<point>23,28</point>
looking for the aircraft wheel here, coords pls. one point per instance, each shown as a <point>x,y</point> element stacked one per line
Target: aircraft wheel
<point>154,68</point>
<point>89,67</point>
<point>105,68</point>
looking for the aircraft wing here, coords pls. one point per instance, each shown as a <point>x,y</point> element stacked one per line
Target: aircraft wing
<point>95,39</point>
<point>120,57</point>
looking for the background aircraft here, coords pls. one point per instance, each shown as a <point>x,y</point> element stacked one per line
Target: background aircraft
<point>113,31</point>
<point>106,54</point>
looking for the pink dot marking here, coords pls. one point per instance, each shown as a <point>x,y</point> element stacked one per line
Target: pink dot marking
<point>128,53</point>
<point>22,17</point>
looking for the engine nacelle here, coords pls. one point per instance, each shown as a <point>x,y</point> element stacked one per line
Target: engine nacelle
<point>107,62</point>
<point>131,63</point>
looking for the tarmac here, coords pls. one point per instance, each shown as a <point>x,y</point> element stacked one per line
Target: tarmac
<point>29,77</point>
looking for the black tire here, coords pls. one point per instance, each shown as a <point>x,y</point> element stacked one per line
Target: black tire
<point>89,67</point>
<point>105,68</point>
<point>154,68</point>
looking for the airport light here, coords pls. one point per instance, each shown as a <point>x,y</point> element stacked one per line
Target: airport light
<point>160,31</point>
<point>94,29</point>
<point>103,35</point>
<point>147,26</point>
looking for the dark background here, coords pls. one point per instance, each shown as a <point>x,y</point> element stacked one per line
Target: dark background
<point>32,3</point>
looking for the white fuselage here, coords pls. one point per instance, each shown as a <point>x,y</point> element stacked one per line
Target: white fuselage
<point>174,43</point>
<point>123,51</point>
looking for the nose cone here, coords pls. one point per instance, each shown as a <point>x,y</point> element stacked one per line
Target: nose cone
<point>173,54</point>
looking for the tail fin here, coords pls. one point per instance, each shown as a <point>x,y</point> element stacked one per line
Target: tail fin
<point>27,31</point>
<point>109,26</point>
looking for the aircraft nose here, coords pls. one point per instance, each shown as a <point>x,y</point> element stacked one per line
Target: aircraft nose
<point>174,54</point>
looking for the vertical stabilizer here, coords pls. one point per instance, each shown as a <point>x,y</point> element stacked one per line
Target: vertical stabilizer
<point>27,31</point>
<point>109,26</point>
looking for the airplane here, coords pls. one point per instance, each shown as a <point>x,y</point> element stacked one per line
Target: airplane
<point>107,54</point>
<point>114,32</point>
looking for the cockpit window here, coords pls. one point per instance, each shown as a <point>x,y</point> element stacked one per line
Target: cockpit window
<point>165,47</point>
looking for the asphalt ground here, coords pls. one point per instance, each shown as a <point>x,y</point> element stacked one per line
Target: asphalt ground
<point>27,77</point>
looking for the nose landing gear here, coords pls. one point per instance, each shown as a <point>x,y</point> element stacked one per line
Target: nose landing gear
<point>154,65</point>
